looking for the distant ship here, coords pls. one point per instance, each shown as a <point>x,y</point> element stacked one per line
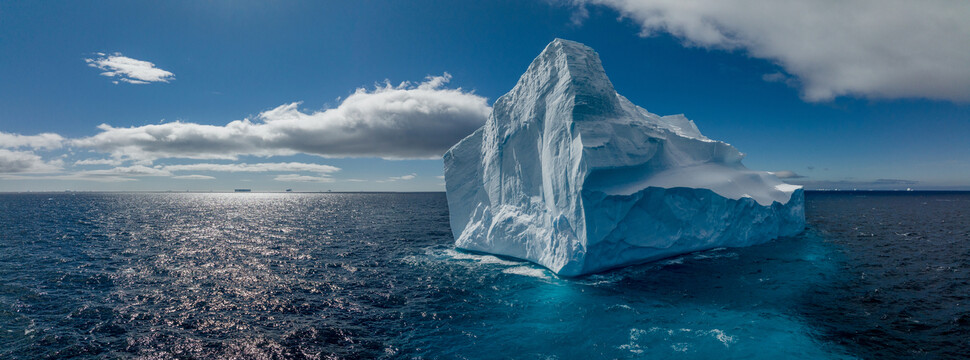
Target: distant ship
<point>244,190</point>
<point>289,190</point>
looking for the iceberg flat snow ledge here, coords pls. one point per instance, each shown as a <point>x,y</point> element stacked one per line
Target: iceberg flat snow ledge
<point>570,175</point>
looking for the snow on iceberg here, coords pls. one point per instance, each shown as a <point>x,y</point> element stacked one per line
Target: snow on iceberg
<point>570,175</point>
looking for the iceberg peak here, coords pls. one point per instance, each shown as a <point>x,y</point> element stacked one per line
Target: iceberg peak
<point>571,56</point>
<point>573,176</point>
<point>575,70</point>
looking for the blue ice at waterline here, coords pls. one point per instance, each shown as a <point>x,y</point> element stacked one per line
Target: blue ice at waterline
<point>720,303</point>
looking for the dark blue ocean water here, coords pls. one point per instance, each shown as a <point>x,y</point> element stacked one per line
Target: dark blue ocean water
<point>265,276</point>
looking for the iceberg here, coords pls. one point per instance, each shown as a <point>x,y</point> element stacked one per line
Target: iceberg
<point>568,174</point>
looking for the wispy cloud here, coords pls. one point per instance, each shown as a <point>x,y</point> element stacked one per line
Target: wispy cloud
<point>27,166</point>
<point>26,162</point>
<point>405,177</point>
<point>302,178</point>
<point>259,167</point>
<point>787,174</point>
<point>410,176</point>
<point>193,177</point>
<point>873,49</point>
<point>126,69</point>
<point>407,121</point>
<point>68,177</point>
<point>878,184</point>
<point>126,171</point>
<point>113,162</point>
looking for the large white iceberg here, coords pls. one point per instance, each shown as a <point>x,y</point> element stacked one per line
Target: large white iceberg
<point>570,175</point>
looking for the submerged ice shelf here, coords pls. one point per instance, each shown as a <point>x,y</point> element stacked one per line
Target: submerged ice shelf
<point>570,175</point>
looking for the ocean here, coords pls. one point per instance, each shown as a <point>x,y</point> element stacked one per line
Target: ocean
<point>875,275</point>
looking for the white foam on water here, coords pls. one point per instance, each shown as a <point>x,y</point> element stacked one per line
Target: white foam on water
<point>674,261</point>
<point>527,270</point>
<point>725,339</point>
<point>621,306</point>
<point>484,259</point>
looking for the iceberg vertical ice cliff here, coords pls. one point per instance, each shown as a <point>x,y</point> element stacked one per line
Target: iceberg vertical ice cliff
<point>568,174</point>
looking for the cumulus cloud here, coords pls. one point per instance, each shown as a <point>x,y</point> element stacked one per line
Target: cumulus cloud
<point>873,49</point>
<point>126,69</point>
<point>407,121</point>
<point>25,162</point>
<point>302,178</point>
<point>39,141</point>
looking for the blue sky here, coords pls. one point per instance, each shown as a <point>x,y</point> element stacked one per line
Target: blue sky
<point>218,95</point>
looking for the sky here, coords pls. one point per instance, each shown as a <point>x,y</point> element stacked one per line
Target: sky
<point>367,95</point>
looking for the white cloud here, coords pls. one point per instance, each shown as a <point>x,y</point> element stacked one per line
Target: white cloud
<point>134,170</point>
<point>405,177</point>
<point>302,178</point>
<point>126,69</point>
<point>17,164</point>
<point>112,162</point>
<point>116,174</point>
<point>68,177</point>
<point>39,141</point>
<point>787,174</point>
<point>410,176</point>
<point>407,121</point>
<point>193,177</point>
<point>878,184</point>
<point>873,49</point>
<point>12,162</point>
<point>259,167</point>
<point>25,162</point>
<point>167,170</point>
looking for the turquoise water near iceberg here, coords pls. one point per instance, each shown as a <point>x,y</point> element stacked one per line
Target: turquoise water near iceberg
<point>91,276</point>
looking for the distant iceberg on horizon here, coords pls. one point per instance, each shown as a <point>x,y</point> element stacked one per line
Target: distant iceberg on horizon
<point>570,175</point>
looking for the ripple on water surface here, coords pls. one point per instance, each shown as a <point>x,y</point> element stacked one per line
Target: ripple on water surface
<point>375,276</point>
